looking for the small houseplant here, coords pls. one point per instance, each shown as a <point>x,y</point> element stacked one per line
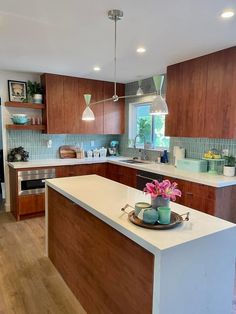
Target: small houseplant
<point>162,192</point>
<point>229,166</point>
<point>35,91</point>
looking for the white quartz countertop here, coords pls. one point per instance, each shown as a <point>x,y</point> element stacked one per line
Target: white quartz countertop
<point>164,169</point>
<point>105,198</point>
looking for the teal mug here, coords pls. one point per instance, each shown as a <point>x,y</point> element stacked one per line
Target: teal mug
<point>164,215</point>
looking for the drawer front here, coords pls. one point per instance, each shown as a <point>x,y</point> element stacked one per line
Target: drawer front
<point>30,204</point>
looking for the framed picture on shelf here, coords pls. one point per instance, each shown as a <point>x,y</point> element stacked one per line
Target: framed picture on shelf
<point>17,91</point>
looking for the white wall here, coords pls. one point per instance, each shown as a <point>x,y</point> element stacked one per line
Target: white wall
<point>4,77</point>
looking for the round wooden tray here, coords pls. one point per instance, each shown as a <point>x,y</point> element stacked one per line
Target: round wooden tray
<point>175,220</point>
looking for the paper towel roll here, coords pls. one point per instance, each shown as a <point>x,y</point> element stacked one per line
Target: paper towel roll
<point>179,153</point>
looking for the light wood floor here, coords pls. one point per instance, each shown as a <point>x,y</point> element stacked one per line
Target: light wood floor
<point>29,283</point>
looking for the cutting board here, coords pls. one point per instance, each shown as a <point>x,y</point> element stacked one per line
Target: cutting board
<point>67,151</point>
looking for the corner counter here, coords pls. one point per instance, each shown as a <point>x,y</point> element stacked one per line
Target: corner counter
<point>112,265</point>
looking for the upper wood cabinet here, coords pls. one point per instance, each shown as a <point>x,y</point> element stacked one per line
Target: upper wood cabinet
<point>114,112</point>
<point>64,98</point>
<point>201,96</point>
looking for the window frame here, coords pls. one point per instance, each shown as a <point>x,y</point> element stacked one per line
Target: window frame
<point>132,131</point>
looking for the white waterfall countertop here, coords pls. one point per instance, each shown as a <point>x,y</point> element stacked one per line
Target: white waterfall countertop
<point>104,199</point>
<point>194,263</point>
<point>163,169</point>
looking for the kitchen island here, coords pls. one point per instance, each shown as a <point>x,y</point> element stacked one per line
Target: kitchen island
<point>113,266</point>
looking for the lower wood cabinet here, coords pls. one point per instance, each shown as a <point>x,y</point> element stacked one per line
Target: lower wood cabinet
<point>122,174</point>
<point>220,202</point>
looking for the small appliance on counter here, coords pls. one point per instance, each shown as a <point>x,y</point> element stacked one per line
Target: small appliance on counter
<point>178,153</point>
<point>113,149</point>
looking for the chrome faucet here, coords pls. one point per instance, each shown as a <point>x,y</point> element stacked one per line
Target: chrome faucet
<point>143,156</point>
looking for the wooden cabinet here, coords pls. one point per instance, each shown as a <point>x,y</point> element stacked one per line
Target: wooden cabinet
<point>201,96</point>
<point>122,174</point>
<point>220,112</point>
<point>24,205</point>
<point>114,112</point>
<point>81,170</point>
<point>65,104</point>
<point>220,202</point>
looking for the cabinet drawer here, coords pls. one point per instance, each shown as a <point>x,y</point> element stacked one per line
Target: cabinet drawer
<point>30,204</point>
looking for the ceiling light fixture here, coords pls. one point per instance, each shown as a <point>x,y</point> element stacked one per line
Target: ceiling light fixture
<point>114,15</point>
<point>141,50</point>
<point>159,105</point>
<point>87,115</point>
<point>227,14</point>
<point>139,91</point>
<point>96,68</point>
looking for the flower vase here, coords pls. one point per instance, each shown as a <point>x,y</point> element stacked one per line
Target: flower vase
<point>159,201</point>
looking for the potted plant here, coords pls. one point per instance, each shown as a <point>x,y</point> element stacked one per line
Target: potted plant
<point>229,167</point>
<point>35,92</point>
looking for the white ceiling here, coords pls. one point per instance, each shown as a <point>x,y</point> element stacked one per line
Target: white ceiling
<point>71,36</point>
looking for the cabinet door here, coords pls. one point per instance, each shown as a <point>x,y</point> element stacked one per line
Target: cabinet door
<point>95,88</point>
<point>220,113</point>
<point>186,90</point>
<point>55,113</point>
<point>71,104</point>
<point>114,112</point>
<point>31,204</point>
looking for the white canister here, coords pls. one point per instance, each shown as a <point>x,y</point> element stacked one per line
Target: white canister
<point>96,153</point>
<point>229,171</point>
<point>89,153</point>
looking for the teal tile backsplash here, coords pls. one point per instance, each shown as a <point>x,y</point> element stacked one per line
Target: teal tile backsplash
<point>36,143</point>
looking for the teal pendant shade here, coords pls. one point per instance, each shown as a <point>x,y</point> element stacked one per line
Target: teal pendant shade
<point>88,114</point>
<point>159,105</point>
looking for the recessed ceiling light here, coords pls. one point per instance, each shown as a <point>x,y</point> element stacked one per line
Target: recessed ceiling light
<point>141,50</point>
<point>96,69</point>
<point>227,14</point>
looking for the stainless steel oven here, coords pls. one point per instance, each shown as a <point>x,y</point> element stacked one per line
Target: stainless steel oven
<point>144,177</point>
<point>33,181</point>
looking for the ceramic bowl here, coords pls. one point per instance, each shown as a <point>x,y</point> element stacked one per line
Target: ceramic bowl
<point>19,118</point>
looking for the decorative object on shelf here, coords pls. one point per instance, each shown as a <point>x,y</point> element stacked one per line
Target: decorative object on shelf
<point>18,154</point>
<point>20,118</point>
<point>35,92</point>
<point>87,115</point>
<point>162,192</point>
<point>116,15</point>
<point>17,91</point>
<point>229,166</point>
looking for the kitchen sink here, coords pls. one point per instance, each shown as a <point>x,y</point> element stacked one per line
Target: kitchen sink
<point>133,161</point>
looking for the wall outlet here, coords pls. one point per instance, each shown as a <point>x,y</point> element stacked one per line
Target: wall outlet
<point>49,144</point>
<point>225,152</point>
<point>92,143</point>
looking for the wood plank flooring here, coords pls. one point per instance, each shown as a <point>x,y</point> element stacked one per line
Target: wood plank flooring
<point>29,283</point>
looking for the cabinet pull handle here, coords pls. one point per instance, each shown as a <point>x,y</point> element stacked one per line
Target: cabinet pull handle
<point>189,193</point>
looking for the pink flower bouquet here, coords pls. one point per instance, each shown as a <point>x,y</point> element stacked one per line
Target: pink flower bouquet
<point>165,189</point>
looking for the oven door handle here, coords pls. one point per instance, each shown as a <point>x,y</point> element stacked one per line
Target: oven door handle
<point>143,177</point>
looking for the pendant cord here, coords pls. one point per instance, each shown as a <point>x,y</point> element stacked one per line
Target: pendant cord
<point>115,60</point>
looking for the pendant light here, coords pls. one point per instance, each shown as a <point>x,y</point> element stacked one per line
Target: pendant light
<point>159,105</point>
<point>87,115</point>
<point>139,91</point>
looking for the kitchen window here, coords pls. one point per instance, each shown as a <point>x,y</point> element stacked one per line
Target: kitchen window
<point>149,127</point>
